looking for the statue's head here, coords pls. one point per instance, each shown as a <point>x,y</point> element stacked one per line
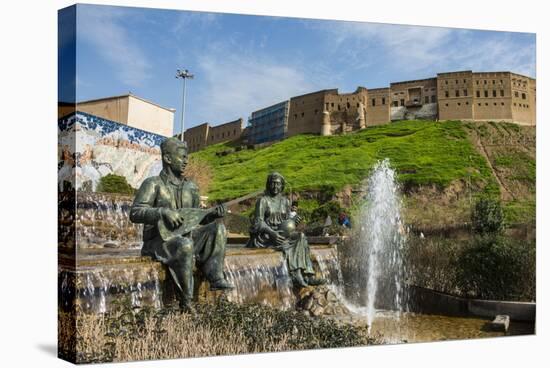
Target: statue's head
<point>174,155</point>
<point>275,183</point>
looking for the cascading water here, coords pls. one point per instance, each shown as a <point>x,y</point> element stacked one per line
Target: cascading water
<point>381,240</point>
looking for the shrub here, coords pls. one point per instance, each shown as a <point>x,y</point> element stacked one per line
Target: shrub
<point>497,268</point>
<point>112,183</point>
<point>331,209</point>
<point>487,217</point>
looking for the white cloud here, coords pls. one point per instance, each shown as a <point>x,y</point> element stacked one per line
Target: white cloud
<point>417,49</point>
<point>237,84</point>
<point>100,27</point>
<point>186,20</point>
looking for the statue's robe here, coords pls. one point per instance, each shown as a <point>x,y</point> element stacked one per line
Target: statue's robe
<point>270,212</point>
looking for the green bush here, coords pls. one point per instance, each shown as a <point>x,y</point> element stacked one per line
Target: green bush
<point>112,183</point>
<point>331,208</point>
<point>487,217</point>
<point>499,268</point>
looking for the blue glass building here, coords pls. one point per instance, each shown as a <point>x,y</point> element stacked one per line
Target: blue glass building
<point>268,124</point>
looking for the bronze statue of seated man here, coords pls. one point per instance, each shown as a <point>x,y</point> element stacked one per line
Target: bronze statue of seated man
<point>176,232</point>
<point>273,227</point>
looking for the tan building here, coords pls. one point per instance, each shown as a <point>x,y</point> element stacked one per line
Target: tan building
<point>132,111</point>
<point>415,99</point>
<point>205,135</point>
<point>378,106</point>
<point>487,96</point>
<point>328,112</point>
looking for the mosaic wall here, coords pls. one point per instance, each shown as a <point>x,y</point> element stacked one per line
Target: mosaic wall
<point>90,147</point>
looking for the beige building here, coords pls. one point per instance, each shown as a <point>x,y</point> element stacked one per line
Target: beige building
<point>328,112</point>
<point>132,111</point>
<point>204,135</point>
<point>495,96</point>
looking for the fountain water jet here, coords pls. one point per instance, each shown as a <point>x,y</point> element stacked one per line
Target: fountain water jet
<point>381,239</point>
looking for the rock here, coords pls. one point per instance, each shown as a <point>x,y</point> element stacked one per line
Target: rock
<point>317,311</point>
<point>500,323</point>
<point>331,297</point>
<point>308,304</point>
<point>322,301</point>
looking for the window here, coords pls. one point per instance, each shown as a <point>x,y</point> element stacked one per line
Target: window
<point>494,93</point>
<point>478,104</point>
<point>348,105</point>
<point>402,102</point>
<point>456,81</point>
<point>494,81</point>
<point>395,103</point>
<point>465,92</point>
<point>357,104</point>
<point>484,82</point>
<point>316,111</point>
<point>477,94</point>
<point>446,93</point>
<point>516,94</point>
<point>464,80</point>
<point>295,116</point>
<point>338,107</point>
<point>433,98</point>
<point>374,102</point>
<point>502,103</point>
<point>515,104</point>
<point>467,103</point>
<point>523,96</point>
<point>332,104</point>
<point>486,93</point>
<point>486,104</point>
<point>383,100</point>
<point>304,112</point>
<point>477,82</point>
<point>458,103</point>
<point>426,99</point>
<point>326,106</point>
<point>446,104</point>
<point>457,94</point>
<point>501,82</point>
<point>446,82</point>
<point>501,93</point>
<point>494,103</point>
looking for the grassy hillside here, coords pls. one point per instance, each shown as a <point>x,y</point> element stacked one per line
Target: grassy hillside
<point>425,153</point>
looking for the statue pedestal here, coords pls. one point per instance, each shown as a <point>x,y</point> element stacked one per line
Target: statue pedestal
<point>106,277</point>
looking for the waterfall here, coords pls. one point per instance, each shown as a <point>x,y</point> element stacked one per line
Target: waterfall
<point>381,239</point>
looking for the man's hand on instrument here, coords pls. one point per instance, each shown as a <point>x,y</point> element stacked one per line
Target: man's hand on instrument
<point>297,219</point>
<point>220,210</point>
<point>173,218</point>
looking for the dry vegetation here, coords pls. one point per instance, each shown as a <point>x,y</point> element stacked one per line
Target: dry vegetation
<point>217,329</point>
<point>200,172</point>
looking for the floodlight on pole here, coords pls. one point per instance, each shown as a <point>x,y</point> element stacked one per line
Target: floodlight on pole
<point>183,74</point>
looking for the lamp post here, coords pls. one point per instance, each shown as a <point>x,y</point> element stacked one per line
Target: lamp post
<point>183,74</point>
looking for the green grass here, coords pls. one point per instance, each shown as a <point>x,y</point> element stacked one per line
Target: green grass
<point>422,152</point>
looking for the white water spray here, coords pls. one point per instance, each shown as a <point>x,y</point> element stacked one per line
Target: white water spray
<point>381,240</point>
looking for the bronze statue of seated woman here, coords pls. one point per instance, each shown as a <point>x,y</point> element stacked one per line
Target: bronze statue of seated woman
<point>273,227</point>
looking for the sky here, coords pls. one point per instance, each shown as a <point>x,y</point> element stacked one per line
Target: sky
<point>243,63</point>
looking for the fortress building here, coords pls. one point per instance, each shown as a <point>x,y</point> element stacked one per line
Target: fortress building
<point>204,135</point>
<point>461,95</point>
